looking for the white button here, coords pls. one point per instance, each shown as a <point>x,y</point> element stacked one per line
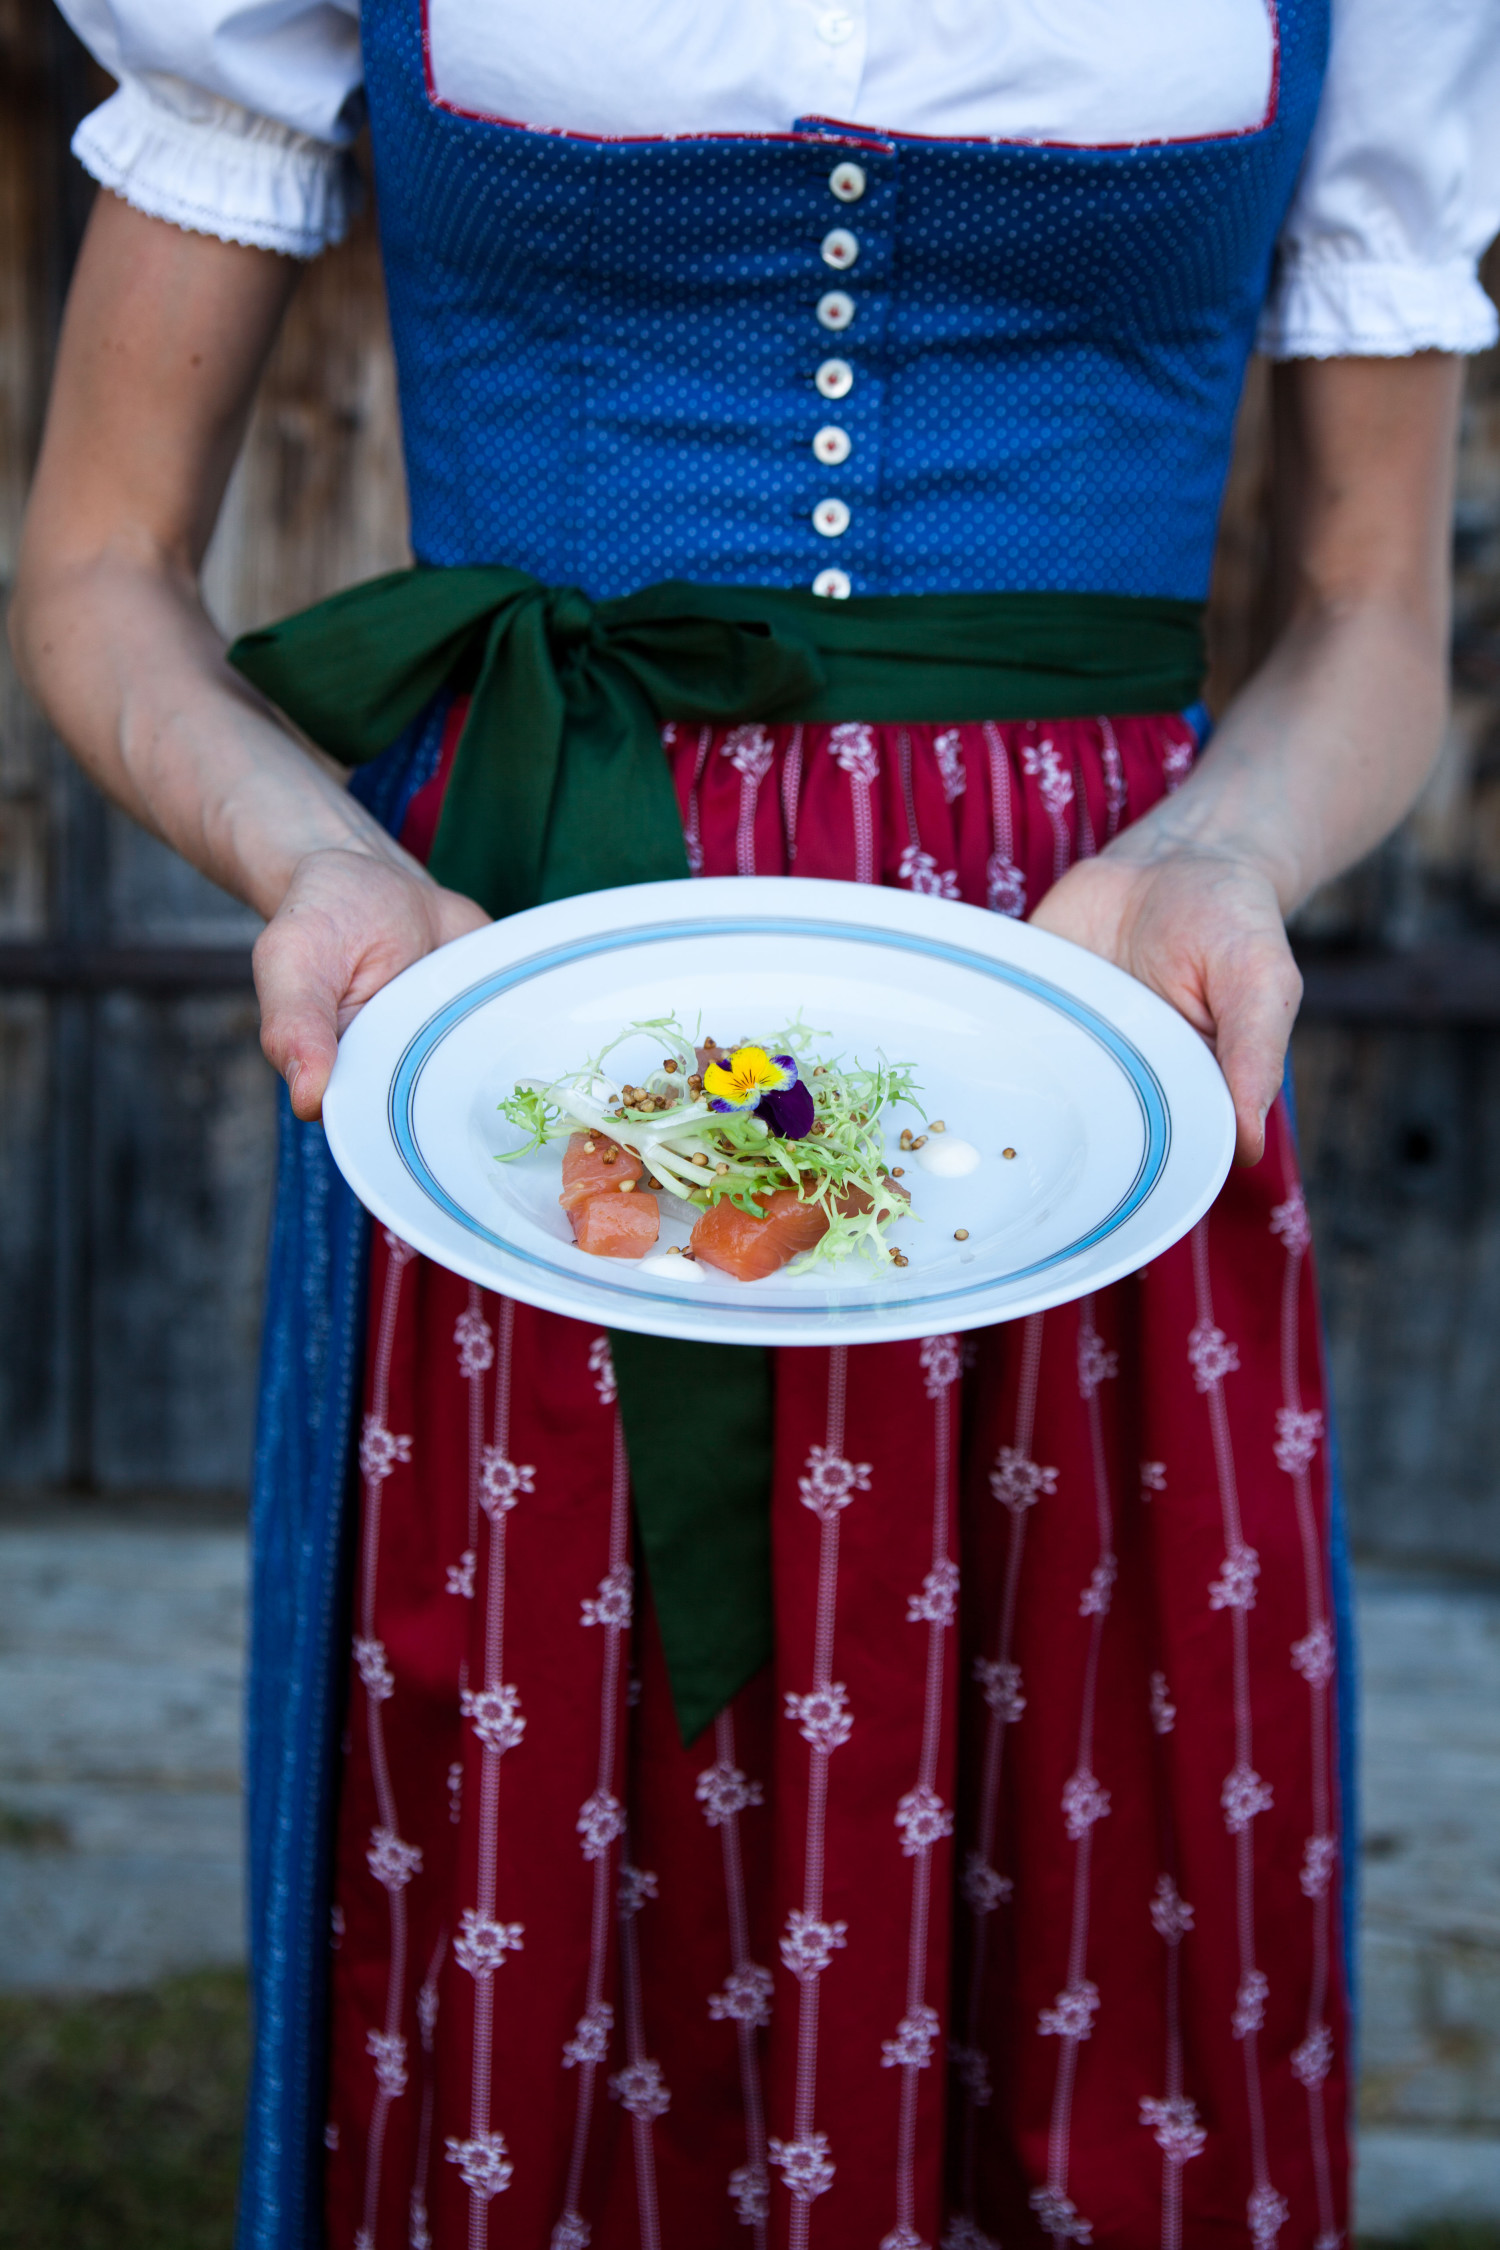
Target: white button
<point>847,182</point>
<point>835,378</point>
<point>831,517</point>
<point>835,26</point>
<point>836,309</point>
<point>833,585</point>
<point>832,445</point>
<point>840,248</point>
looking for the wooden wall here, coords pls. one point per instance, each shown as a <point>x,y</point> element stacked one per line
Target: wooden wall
<point>136,1113</point>
<point>1398,1070</point>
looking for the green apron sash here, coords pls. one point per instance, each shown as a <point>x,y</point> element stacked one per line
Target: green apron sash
<point>559,786</point>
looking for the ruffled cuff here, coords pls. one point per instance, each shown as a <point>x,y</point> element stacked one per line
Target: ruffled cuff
<point>1347,308</point>
<point>216,168</point>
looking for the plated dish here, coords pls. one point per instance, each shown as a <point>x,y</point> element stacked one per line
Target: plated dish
<point>1034,1123</point>
<point>769,1155</point>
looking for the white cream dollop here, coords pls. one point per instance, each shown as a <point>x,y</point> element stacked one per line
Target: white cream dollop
<point>672,1264</point>
<point>948,1156</point>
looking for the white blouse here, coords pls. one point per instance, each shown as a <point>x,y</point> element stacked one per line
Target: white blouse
<point>234,120</point>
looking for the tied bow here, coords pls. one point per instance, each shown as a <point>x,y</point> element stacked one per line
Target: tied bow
<point>559,783</point>
<point>560,786</point>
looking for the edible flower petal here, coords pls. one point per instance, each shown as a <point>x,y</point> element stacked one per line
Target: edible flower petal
<point>789,1112</point>
<point>751,1074</point>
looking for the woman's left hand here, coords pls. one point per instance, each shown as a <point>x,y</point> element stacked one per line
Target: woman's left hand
<point>1203,929</point>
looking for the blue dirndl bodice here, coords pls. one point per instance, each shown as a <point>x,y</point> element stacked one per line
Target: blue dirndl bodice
<point>1047,344</point>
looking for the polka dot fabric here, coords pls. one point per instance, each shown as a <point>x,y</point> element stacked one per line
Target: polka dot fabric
<point>608,349</point>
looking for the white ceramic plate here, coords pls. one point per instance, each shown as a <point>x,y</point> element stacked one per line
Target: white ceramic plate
<point>1121,1122</point>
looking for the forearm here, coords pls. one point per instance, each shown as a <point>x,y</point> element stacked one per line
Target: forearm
<point>162,342</point>
<point>1318,758</point>
<point>117,649</point>
<point>1326,747</point>
<point>1324,750</point>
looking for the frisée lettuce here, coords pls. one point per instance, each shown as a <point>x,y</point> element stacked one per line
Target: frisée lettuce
<point>714,1124</point>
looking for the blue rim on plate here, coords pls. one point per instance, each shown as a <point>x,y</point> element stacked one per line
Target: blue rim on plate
<point>1139,1075</point>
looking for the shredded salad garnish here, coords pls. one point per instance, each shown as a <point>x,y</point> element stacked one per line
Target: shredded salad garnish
<point>715,1125</point>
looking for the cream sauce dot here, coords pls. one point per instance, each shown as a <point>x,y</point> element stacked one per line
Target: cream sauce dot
<point>675,1268</point>
<point>948,1157</point>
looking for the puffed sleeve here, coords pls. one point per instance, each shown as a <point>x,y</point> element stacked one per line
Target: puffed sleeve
<point>1400,193</point>
<point>233,117</point>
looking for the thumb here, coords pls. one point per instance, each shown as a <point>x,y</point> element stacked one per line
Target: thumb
<point>1254,1025</point>
<point>298,1017</point>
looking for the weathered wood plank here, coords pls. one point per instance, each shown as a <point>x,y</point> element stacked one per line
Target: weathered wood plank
<point>1456,981</point>
<point>182,1154</point>
<point>138,1130</point>
<point>1401,1142</point>
<point>318,500</point>
<point>47,966</point>
<point>31,1401</point>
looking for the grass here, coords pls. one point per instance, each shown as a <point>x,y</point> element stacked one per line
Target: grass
<point>120,2117</point>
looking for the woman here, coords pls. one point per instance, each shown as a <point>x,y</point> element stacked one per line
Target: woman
<point>657,319</point>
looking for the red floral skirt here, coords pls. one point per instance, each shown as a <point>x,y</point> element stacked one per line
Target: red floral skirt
<point>1003,1907</point>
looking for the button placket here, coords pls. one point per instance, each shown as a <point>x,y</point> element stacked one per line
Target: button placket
<point>837,311</point>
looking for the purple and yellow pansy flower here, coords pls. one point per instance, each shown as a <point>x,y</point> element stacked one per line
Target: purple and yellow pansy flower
<point>770,1084</point>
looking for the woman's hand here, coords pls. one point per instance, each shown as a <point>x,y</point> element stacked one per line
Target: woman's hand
<point>348,923</point>
<point>1203,929</point>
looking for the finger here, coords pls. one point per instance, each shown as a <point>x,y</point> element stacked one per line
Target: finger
<point>1255,1018</point>
<point>299,1015</point>
<point>456,916</point>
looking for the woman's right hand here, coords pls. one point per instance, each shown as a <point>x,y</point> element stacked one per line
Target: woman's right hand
<point>348,923</point>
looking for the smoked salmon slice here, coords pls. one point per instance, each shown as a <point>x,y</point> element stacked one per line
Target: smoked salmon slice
<point>605,1222</point>
<point>748,1249</point>
<point>612,1225</point>
<point>585,1174</point>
